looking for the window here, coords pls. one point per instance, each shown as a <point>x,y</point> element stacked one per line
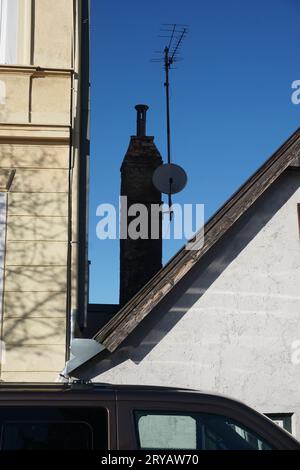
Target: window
<point>202,431</point>
<point>46,435</point>
<point>283,420</point>
<point>167,431</point>
<point>9,18</point>
<point>53,428</point>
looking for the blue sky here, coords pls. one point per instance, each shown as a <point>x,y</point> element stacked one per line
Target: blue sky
<point>230,100</point>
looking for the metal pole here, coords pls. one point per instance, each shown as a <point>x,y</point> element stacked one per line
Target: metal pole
<point>167,85</point>
<point>168,62</point>
<point>83,177</point>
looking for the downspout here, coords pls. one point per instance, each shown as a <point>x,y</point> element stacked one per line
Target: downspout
<point>82,350</point>
<point>82,118</point>
<point>83,170</point>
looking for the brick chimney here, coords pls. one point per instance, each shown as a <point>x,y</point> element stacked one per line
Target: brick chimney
<point>140,258</point>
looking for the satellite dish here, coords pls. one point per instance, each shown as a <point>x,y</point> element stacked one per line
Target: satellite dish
<point>169,178</point>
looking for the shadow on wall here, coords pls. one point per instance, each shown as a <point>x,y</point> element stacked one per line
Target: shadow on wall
<point>183,296</point>
<point>35,285</point>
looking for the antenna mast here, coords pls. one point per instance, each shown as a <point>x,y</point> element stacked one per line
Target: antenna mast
<point>171,56</point>
<point>176,34</point>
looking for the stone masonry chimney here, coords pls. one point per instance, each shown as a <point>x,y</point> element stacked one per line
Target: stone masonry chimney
<point>140,258</point>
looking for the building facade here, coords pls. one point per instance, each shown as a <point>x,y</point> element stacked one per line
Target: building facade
<point>225,317</point>
<point>43,163</point>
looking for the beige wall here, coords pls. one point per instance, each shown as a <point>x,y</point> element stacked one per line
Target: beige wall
<point>28,96</point>
<point>36,117</point>
<point>58,22</point>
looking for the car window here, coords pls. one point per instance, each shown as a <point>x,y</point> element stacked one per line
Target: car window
<point>46,435</point>
<point>36,428</point>
<point>167,431</point>
<point>202,431</point>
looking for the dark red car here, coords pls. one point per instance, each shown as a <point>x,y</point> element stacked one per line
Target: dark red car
<point>109,417</point>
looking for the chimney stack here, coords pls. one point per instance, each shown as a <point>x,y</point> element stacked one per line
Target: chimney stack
<point>141,119</point>
<point>140,259</point>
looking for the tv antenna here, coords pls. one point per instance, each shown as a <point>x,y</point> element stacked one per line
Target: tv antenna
<point>169,178</point>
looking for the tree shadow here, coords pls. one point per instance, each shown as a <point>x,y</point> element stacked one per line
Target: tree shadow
<point>34,302</point>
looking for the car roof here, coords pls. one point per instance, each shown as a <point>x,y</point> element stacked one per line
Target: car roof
<point>120,389</point>
<point>76,385</point>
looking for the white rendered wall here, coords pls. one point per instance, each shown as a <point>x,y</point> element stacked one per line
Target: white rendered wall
<point>230,325</point>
